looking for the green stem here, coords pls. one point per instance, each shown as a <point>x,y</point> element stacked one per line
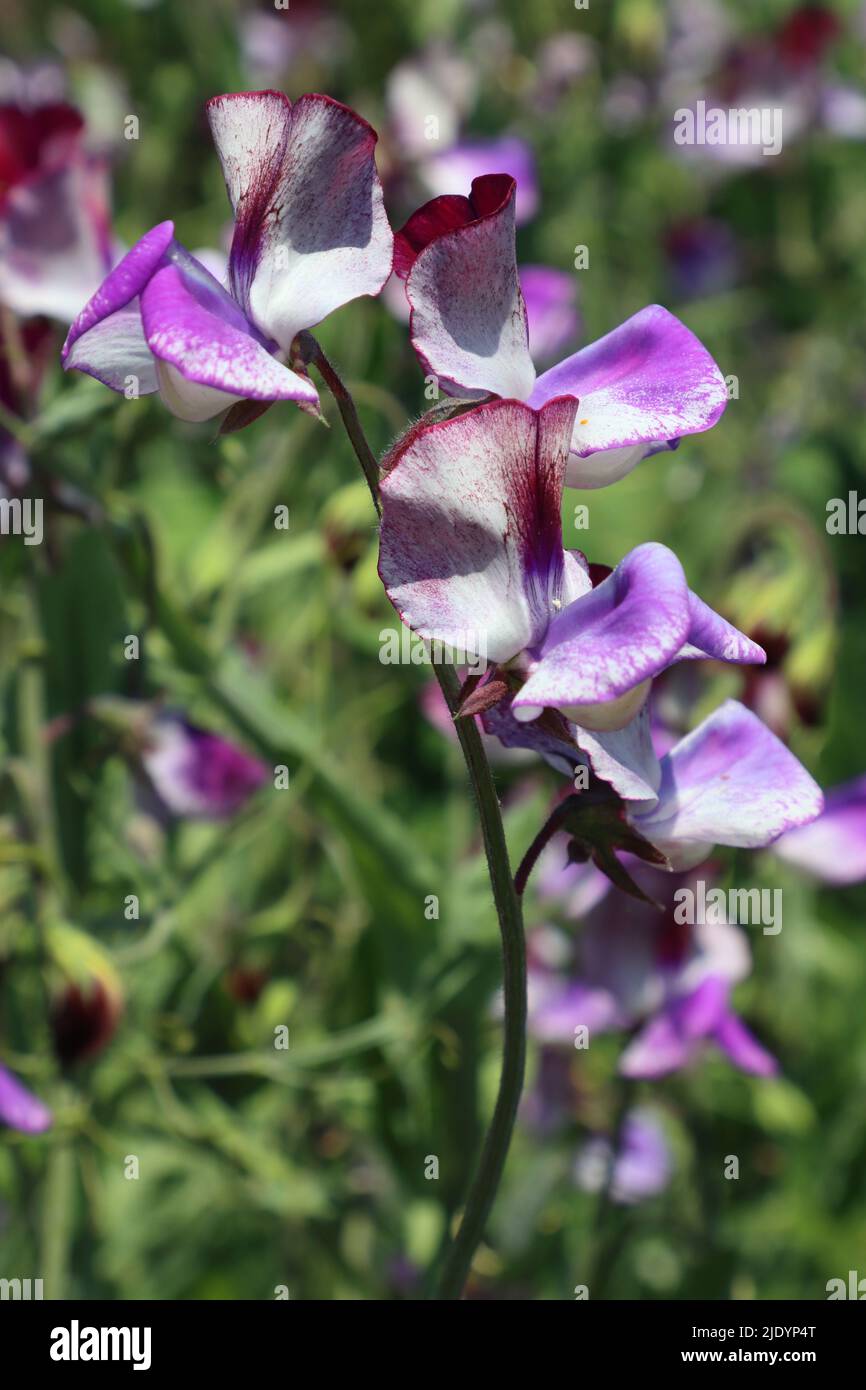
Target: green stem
<point>485,1183</point>
<point>312,353</point>
<point>489,1173</point>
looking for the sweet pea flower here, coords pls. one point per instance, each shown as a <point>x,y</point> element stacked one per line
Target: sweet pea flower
<point>441,81</point>
<point>19,1108</point>
<point>471,556</point>
<point>639,1168</point>
<point>640,387</point>
<point>197,773</point>
<point>730,781</point>
<point>310,235</point>
<point>832,848</point>
<point>642,971</point>
<point>55,241</point>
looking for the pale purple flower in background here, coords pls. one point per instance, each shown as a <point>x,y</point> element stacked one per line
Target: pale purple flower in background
<point>428,99</point>
<point>640,388</point>
<point>197,773</point>
<point>310,235</point>
<point>272,39</point>
<point>832,848</point>
<point>640,970</point>
<point>55,238</point>
<point>552,316</point>
<point>19,1108</point>
<point>641,1167</point>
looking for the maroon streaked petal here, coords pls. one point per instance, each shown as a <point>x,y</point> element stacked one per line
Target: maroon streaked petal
<point>471,533</point>
<point>311,232</point>
<point>488,195</point>
<point>468,321</point>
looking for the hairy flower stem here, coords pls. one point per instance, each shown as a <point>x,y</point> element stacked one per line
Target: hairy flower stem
<point>458,1259</point>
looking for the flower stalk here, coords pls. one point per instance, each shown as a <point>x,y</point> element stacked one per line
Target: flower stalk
<point>485,1184</point>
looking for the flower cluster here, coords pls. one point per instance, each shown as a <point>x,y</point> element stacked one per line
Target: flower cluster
<point>471,496</point>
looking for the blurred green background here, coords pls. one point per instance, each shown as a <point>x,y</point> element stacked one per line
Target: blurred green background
<point>306,1169</point>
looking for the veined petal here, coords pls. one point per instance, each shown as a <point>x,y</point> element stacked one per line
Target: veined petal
<point>106,340</point>
<point>614,638</point>
<point>647,383</point>
<point>311,232</point>
<point>471,538</point>
<point>729,782</point>
<point>206,360</point>
<point>468,321</point>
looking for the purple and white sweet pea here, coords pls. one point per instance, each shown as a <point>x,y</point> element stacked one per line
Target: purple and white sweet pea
<point>310,235</point>
<point>471,544</point>
<point>641,971</point>
<point>730,781</point>
<point>197,773</point>
<point>640,1167</point>
<point>640,388</point>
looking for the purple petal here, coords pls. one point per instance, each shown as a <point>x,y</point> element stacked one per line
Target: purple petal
<point>555,1016</point>
<point>729,782</point>
<point>19,1108</point>
<point>641,1167</point>
<point>624,758</point>
<point>470,546</point>
<point>311,232</point>
<point>613,639</point>
<point>207,359</point>
<point>742,1047</point>
<point>833,847</point>
<point>643,385</point>
<point>55,245</point>
<point>468,321</point>
<point>553,742</point>
<point>197,773</point>
<point>106,340</point>
<point>550,297</point>
<point>658,1049</point>
<point>470,159</point>
<point>700,1012</point>
<point>711,635</point>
